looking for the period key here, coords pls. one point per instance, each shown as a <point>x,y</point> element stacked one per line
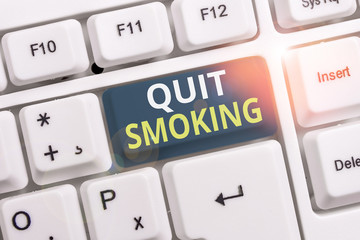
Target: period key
<point>191,111</point>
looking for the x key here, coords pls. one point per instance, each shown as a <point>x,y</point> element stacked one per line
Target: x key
<point>138,223</point>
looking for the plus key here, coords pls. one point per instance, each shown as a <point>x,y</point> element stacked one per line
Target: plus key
<point>67,140</point>
<point>51,153</point>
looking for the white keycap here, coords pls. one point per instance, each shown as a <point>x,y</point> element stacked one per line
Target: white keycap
<point>126,206</point>
<point>13,174</point>
<point>65,138</point>
<point>324,81</point>
<point>45,52</point>
<point>232,194</point>
<point>51,214</point>
<point>130,34</point>
<point>333,157</point>
<point>292,13</point>
<point>206,23</point>
<point>19,13</point>
<point>3,80</point>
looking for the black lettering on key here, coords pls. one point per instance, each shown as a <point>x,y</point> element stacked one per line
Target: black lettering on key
<point>51,153</point>
<point>220,11</point>
<point>138,223</point>
<point>223,13</point>
<point>221,199</point>
<point>78,150</point>
<point>43,119</point>
<point>49,47</point>
<point>26,225</point>
<point>104,200</point>
<point>133,28</point>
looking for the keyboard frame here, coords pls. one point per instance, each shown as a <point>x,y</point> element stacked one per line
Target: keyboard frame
<point>271,43</point>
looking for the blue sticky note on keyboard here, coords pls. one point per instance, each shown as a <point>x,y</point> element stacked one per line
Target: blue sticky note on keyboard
<point>189,112</point>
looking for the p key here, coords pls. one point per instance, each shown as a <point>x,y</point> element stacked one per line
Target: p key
<point>126,206</point>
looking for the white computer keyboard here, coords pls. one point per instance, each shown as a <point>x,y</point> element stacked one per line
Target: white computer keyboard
<point>184,119</point>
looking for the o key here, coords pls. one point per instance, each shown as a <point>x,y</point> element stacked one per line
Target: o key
<point>50,214</point>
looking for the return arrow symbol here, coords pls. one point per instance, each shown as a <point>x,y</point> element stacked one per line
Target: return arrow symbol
<point>220,199</point>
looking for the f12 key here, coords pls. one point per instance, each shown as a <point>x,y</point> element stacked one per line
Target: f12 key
<point>206,23</point>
